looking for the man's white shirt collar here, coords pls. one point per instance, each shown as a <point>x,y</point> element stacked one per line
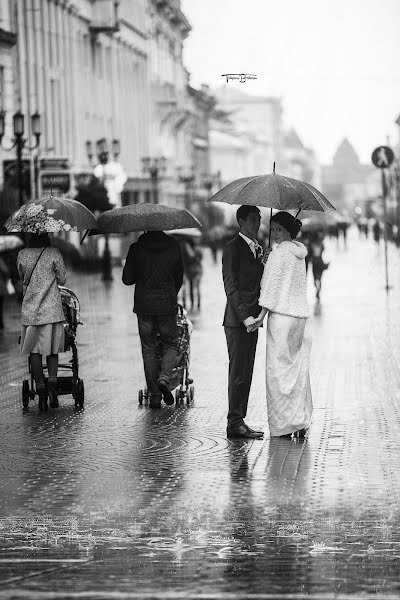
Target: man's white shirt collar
<point>252,244</point>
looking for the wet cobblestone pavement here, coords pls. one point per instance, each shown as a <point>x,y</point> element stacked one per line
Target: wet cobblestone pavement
<point>119,501</point>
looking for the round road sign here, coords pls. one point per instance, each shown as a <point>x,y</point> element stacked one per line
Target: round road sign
<point>382,157</point>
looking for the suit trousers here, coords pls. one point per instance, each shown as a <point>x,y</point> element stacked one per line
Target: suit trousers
<point>241,351</point>
<point>159,338</point>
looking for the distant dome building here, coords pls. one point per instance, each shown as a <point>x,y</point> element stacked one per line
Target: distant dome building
<point>347,182</point>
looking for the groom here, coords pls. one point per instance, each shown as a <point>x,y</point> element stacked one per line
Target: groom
<point>242,269</point>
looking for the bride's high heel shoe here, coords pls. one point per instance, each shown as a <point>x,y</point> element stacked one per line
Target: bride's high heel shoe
<point>301,434</point>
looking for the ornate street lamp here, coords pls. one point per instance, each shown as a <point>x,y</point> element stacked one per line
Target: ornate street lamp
<point>156,168</point>
<point>187,176</point>
<point>19,142</point>
<point>102,157</point>
<point>211,179</point>
<point>116,148</point>
<point>102,151</point>
<point>89,150</point>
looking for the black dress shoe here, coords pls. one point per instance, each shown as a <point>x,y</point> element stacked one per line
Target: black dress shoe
<point>164,389</point>
<point>254,430</point>
<point>243,432</point>
<point>155,402</point>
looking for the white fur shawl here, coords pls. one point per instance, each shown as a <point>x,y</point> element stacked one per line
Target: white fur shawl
<point>284,285</point>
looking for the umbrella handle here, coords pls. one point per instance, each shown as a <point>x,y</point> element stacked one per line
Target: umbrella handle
<point>84,236</point>
<point>269,233</point>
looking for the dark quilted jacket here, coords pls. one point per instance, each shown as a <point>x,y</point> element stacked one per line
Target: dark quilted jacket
<point>154,264</point>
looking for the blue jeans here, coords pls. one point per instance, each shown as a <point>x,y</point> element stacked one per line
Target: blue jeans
<point>158,336</point>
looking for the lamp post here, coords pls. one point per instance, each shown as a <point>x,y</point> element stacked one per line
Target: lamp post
<point>187,176</point>
<point>155,167</point>
<point>397,193</point>
<point>211,179</point>
<point>103,158</point>
<point>19,142</point>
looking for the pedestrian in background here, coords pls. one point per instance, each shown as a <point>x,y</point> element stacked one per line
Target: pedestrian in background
<point>376,231</point>
<point>41,269</point>
<point>192,257</point>
<point>4,275</point>
<point>154,265</point>
<point>284,297</point>
<point>316,249</point>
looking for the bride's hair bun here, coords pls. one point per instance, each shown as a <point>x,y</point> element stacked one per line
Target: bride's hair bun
<point>288,221</point>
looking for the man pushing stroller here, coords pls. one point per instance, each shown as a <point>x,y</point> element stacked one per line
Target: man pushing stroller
<point>154,264</point>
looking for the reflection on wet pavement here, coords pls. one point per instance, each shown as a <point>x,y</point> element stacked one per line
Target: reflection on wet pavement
<point>121,501</point>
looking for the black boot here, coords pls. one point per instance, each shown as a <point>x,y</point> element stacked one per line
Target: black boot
<point>42,392</point>
<point>52,392</point>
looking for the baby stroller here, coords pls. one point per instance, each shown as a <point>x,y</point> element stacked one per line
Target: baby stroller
<point>67,384</point>
<point>180,380</point>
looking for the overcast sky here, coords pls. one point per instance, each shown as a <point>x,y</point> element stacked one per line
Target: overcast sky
<point>334,63</point>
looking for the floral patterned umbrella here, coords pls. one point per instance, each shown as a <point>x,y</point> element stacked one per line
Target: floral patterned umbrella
<point>50,215</point>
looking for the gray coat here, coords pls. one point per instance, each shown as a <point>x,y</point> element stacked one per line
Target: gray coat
<point>42,300</point>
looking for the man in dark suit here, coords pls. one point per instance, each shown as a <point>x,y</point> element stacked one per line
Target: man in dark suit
<point>242,269</point>
<point>154,264</point>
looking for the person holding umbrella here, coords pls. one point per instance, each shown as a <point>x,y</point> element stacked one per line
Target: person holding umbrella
<point>284,297</point>
<point>41,269</point>
<point>282,193</point>
<point>154,265</point>
<point>242,269</point>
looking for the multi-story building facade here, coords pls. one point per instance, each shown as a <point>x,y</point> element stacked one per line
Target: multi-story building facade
<point>83,66</point>
<point>179,113</point>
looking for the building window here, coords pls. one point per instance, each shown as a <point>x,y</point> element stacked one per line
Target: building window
<point>2,92</point>
<point>99,60</point>
<point>85,50</point>
<point>147,196</point>
<point>56,114</point>
<point>108,65</point>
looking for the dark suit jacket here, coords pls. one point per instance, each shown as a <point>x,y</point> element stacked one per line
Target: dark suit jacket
<point>242,274</point>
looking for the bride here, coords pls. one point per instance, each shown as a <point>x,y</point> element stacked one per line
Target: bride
<point>284,297</point>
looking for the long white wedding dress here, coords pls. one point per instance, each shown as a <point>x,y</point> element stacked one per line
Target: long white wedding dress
<point>284,294</point>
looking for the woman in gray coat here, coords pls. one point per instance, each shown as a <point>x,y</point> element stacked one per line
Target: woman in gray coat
<point>41,269</point>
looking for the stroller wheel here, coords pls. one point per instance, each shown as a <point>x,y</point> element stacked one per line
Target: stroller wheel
<point>190,397</point>
<point>140,397</point>
<point>79,394</point>
<point>179,395</point>
<point>26,392</point>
